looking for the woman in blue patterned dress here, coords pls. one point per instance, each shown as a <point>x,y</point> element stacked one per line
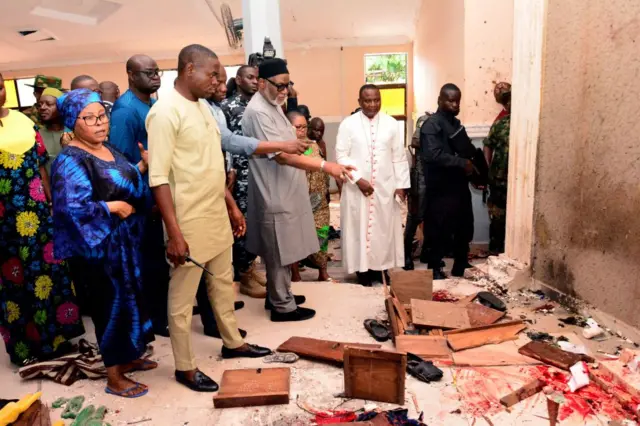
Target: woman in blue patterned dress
<point>38,311</point>
<point>99,205</point>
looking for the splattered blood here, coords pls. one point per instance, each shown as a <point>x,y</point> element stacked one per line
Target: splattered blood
<point>443,296</point>
<point>585,402</point>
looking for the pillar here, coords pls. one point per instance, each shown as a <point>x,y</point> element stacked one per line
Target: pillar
<point>528,51</point>
<point>261,18</point>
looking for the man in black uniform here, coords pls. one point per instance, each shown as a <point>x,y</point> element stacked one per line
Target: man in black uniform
<point>447,152</point>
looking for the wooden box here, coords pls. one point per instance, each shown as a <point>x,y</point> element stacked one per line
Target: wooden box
<point>407,285</point>
<point>252,387</point>
<point>374,374</point>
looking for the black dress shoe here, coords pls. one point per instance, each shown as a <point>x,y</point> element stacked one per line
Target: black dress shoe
<point>364,279</point>
<point>408,265</point>
<point>251,351</point>
<point>201,382</point>
<point>162,330</point>
<point>457,272</point>
<point>298,299</point>
<point>215,333</point>
<point>299,314</point>
<point>438,274</point>
<point>459,267</point>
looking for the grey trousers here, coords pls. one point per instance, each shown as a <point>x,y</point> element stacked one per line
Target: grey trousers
<point>279,283</point>
<point>278,275</point>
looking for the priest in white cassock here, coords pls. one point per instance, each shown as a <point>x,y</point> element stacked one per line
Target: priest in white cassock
<point>370,215</point>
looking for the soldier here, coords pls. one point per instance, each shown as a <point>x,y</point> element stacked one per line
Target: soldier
<point>40,83</point>
<point>496,151</point>
<point>417,198</point>
<point>251,283</point>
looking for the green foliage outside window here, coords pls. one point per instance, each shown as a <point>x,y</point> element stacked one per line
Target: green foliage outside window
<point>386,68</point>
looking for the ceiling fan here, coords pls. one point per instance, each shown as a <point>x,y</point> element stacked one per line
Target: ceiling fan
<point>233,27</point>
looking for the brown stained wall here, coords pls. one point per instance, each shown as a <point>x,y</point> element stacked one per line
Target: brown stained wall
<point>587,209</point>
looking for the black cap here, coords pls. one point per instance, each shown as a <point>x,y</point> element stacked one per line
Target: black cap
<point>272,67</point>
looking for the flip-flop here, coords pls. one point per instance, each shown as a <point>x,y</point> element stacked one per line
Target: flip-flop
<point>123,394</point>
<point>377,330</point>
<point>281,357</point>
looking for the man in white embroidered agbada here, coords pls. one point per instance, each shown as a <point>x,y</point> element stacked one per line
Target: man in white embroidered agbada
<point>370,214</point>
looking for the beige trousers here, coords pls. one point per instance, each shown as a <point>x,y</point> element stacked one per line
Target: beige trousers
<point>182,292</point>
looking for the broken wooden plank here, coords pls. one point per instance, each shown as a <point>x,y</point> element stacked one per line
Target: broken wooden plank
<point>393,318</point>
<point>402,314</point>
<point>480,315</point>
<point>426,313</point>
<point>426,347</point>
<point>374,374</point>
<point>323,350</point>
<point>464,301</point>
<point>253,387</point>
<point>499,355</point>
<point>436,332</point>
<point>407,285</point>
<point>473,337</point>
<point>622,386</point>
<point>552,355</point>
<point>523,393</point>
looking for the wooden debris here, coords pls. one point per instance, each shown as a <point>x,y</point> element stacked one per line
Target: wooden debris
<point>323,350</point>
<point>502,354</point>
<point>402,314</point>
<point>621,386</point>
<point>545,306</point>
<point>426,313</point>
<point>374,374</point>
<point>467,299</point>
<point>436,332</point>
<point>407,285</point>
<point>473,337</point>
<point>553,408</point>
<point>552,355</point>
<point>480,315</point>
<point>523,393</point>
<point>252,387</point>
<point>393,318</point>
<point>426,347</point>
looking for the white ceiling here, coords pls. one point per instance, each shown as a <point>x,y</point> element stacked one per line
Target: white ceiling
<point>161,27</point>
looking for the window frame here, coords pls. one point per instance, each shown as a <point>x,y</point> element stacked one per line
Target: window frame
<point>406,76</point>
<point>15,82</point>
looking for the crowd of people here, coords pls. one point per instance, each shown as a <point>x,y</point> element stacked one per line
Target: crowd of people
<point>127,208</point>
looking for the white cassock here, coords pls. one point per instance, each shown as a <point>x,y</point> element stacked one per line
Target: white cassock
<point>371,227</point>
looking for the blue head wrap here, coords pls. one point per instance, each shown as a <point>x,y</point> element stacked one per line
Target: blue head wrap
<point>71,104</point>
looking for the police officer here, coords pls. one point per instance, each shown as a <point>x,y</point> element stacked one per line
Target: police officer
<point>447,152</point>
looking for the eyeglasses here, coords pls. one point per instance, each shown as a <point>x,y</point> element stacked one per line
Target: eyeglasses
<point>151,73</point>
<point>279,87</point>
<point>93,120</point>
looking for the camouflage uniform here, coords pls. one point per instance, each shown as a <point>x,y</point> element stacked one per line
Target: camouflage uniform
<point>42,82</point>
<point>233,109</point>
<point>498,141</point>
<point>416,198</point>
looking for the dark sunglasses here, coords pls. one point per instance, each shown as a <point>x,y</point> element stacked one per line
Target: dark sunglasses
<point>150,73</point>
<point>279,87</point>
